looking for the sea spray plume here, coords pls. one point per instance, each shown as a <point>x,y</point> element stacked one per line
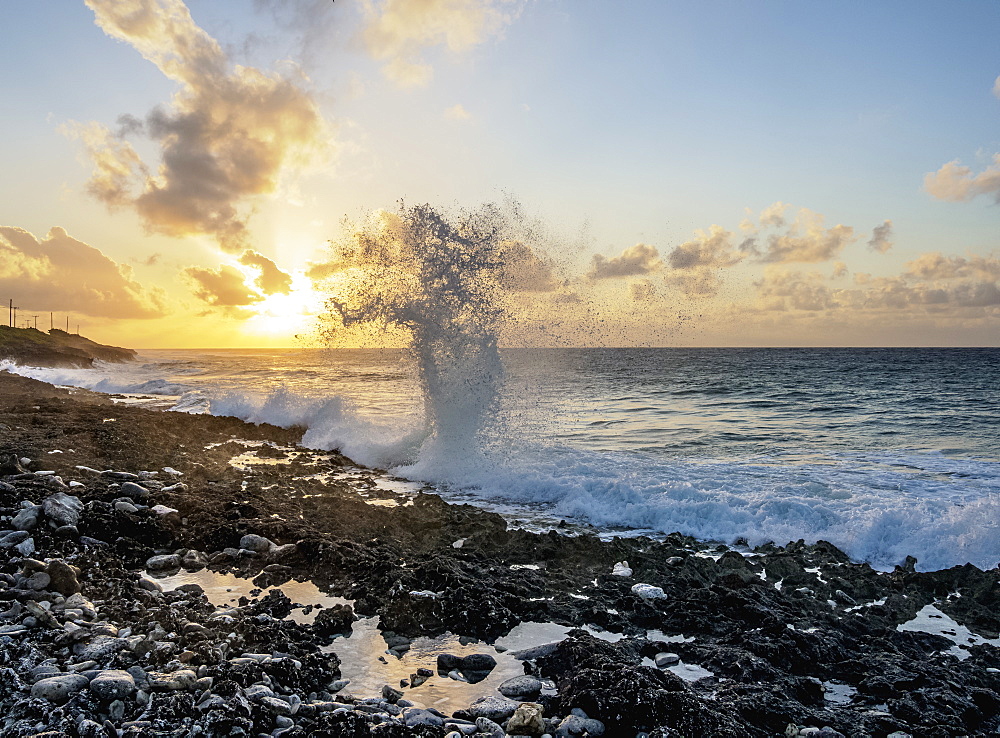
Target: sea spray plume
<point>446,281</point>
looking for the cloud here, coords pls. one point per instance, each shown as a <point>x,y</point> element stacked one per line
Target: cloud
<point>781,289</point>
<point>634,261</point>
<point>223,287</point>
<point>524,270</point>
<point>271,280</point>
<point>774,215</point>
<point>996,87</point>
<point>711,249</point>
<point>956,182</point>
<point>881,240</point>
<point>806,240</point>
<point>936,266</point>
<point>457,112</point>
<point>397,31</point>
<point>228,136</point>
<point>61,273</point>
<point>942,285</point>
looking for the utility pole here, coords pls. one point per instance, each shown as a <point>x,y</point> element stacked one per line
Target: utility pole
<point>35,318</point>
<point>13,320</point>
<point>67,324</point>
<point>51,324</point>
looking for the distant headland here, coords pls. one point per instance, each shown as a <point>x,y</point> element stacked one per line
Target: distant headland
<point>56,348</point>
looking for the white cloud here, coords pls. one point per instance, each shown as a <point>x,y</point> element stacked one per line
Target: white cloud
<point>457,112</point>
<point>398,31</point>
<point>807,240</point>
<point>956,182</point>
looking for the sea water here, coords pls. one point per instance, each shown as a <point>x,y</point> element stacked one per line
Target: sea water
<point>883,452</point>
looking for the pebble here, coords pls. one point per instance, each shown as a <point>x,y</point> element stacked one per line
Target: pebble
<point>63,577</point>
<point>666,659</point>
<point>62,509</point>
<point>492,708</point>
<point>527,720</point>
<point>27,518</point>
<point>163,562</point>
<point>417,716</point>
<point>621,569</point>
<point>521,686</point>
<point>489,727</point>
<point>174,681</point>
<point>113,684</point>
<point>255,543</point>
<point>648,592</point>
<point>58,689</point>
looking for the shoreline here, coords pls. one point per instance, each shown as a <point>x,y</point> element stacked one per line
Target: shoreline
<point>776,654</point>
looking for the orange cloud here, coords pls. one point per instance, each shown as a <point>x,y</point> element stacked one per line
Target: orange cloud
<point>633,261</point>
<point>61,273</point>
<point>222,287</point>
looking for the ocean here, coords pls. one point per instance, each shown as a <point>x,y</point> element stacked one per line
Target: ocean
<point>884,452</point>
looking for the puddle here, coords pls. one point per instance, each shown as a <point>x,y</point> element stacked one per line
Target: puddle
<point>224,591</point>
<point>837,693</point>
<point>360,653</point>
<point>931,620</point>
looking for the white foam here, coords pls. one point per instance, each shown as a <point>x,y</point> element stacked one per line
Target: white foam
<point>931,620</point>
<point>877,506</point>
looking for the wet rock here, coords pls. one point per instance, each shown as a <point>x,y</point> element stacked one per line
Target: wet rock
<point>521,686</point>
<point>477,662</point>
<point>63,509</point>
<point>414,716</point>
<point>194,560</point>
<point>126,507</point>
<point>666,659</point>
<point>493,708</point>
<point>485,726</point>
<point>60,688</point>
<point>163,562</point>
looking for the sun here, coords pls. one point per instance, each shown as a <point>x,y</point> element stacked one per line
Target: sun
<point>283,316</point>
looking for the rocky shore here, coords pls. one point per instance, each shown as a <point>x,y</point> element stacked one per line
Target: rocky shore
<point>56,348</point>
<point>102,505</point>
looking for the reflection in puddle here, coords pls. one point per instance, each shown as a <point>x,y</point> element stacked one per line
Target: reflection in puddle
<point>224,590</point>
<point>367,663</point>
<point>360,653</point>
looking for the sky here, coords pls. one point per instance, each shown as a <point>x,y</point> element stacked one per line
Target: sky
<point>695,173</point>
